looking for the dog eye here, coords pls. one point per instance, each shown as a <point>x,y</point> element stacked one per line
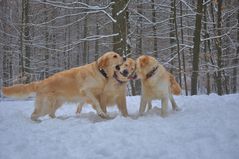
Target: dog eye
<point>126,65</point>
<point>115,56</point>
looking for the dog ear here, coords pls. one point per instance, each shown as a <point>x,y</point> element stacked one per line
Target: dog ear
<point>144,61</point>
<point>103,62</point>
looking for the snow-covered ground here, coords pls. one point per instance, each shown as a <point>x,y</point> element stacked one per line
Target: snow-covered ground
<point>206,128</point>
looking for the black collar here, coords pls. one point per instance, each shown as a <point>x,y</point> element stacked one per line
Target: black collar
<point>152,72</point>
<point>119,81</point>
<point>102,71</point>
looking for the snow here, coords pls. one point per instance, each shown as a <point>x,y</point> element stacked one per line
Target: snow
<point>206,128</point>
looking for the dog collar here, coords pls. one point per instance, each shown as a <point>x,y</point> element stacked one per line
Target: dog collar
<point>102,71</point>
<point>152,72</point>
<point>116,78</point>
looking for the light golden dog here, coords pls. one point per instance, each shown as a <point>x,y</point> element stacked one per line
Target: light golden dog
<point>114,92</point>
<point>157,83</point>
<point>75,85</point>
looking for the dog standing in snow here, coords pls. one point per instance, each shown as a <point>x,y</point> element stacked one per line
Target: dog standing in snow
<point>75,85</point>
<point>156,83</point>
<point>114,92</point>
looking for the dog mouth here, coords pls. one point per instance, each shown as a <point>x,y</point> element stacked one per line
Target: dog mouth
<point>125,73</point>
<point>117,67</point>
<point>133,76</point>
<point>117,78</point>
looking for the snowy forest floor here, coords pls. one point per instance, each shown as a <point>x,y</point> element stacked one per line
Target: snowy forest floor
<point>206,128</point>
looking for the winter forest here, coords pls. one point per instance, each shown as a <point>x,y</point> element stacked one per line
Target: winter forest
<point>196,40</point>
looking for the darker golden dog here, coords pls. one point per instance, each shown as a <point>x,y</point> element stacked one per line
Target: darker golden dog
<point>75,85</point>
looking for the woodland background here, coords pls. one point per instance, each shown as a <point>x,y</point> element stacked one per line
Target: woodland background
<point>198,41</point>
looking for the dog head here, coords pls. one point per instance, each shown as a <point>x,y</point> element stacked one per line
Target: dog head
<point>144,65</point>
<point>109,61</point>
<point>126,71</point>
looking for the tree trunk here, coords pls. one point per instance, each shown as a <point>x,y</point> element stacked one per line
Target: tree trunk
<point>235,60</point>
<point>177,41</point>
<point>219,48</point>
<point>206,49</point>
<point>183,57</point>
<point>85,43</point>
<point>172,34</point>
<point>211,45</point>
<point>97,42</point>
<point>46,66</point>
<point>155,42</point>
<point>6,59</point>
<point>119,13</point>
<point>139,46</point>
<point>196,48</point>
<point>139,32</point>
<point>25,37</point>
<point>78,62</point>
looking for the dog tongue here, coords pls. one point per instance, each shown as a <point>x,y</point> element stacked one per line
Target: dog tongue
<point>132,77</point>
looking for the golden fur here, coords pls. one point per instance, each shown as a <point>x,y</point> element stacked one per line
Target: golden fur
<point>75,85</point>
<point>114,91</point>
<point>160,85</point>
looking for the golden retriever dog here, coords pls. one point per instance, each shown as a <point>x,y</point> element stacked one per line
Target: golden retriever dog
<point>114,92</point>
<point>75,85</point>
<point>157,83</point>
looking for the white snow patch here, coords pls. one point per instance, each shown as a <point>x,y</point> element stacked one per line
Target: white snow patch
<point>206,128</point>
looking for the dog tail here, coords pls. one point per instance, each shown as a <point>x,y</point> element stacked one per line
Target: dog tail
<point>174,86</point>
<point>20,90</point>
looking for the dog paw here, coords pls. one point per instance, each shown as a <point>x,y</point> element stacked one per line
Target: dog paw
<point>178,109</point>
<point>36,121</point>
<point>141,114</point>
<point>103,115</point>
<point>163,114</point>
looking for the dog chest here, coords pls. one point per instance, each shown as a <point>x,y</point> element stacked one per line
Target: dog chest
<point>155,91</point>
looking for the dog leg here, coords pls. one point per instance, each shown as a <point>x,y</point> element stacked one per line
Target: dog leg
<point>80,106</point>
<point>143,103</point>
<point>103,102</point>
<point>52,115</point>
<point>96,103</point>
<point>35,116</point>
<point>149,106</point>
<point>121,104</point>
<point>53,105</point>
<point>174,105</point>
<point>57,104</point>
<point>164,109</point>
<point>103,107</point>
<point>39,108</point>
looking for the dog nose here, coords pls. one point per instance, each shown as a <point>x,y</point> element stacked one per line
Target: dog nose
<point>125,73</point>
<point>117,67</point>
<point>124,58</point>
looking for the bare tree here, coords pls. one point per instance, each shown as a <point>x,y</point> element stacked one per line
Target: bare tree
<point>183,53</point>
<point>196,47</point>
<point>41,37</point>
<point>236,60</point>
<point>119,9</point>
<point>219,48</point>
<point>155,41</point>
<point>25,40</point>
